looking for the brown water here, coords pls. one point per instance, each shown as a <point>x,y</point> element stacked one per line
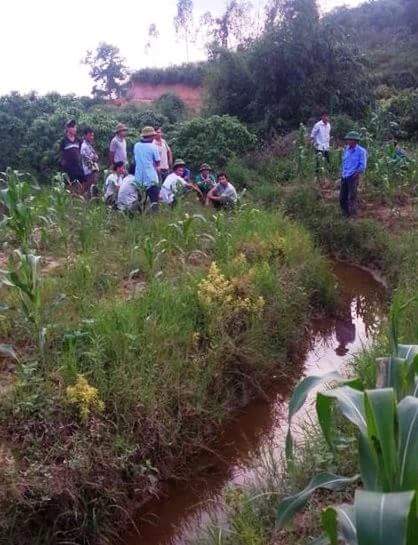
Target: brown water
<point>175,518</point>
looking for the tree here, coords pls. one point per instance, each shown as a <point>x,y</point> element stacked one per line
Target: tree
<point>184,23</point>
<point>108,71</point>
<point>153,35</point>
<point>232,27</point>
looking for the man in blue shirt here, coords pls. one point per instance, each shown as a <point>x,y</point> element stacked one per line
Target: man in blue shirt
<point>147,164</point>
<point>354,165</point>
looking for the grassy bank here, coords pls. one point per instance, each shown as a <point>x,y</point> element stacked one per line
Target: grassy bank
<point>127,344</point>
<point>250,511</point>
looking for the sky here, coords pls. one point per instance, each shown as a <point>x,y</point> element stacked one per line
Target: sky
<point>43,42</point>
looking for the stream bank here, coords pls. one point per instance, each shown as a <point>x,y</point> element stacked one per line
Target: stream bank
<point>178,517</point>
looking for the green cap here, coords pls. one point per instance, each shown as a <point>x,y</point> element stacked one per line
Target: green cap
<point>353,135</point>
<point>179,163</point>
<point>147,132</point>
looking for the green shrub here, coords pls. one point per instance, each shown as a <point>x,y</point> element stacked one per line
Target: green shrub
<point>213,140</point>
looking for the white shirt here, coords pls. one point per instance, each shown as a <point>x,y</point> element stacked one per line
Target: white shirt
<point>163,149</point>
<point>170,187</point>
<point>118,147</point>
<point>226,192</point>
<point>111,185</point>
<point>128,192</point>
<point>320,135</point>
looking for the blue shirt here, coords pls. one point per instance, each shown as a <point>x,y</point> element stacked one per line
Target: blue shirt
<point>146,155</point>
<point>354,160</point>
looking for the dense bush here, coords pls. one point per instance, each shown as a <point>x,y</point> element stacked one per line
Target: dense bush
<point>32,127</point>
<point>213,140</point>
<point>188,74</point>
<point>172,107</point>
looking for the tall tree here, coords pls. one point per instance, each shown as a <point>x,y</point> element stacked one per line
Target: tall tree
<point>184,23</point>
<point>107,69</point>
<point>231,28</point>
<point>153,35</point>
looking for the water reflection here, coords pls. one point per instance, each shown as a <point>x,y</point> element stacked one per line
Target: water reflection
<point>187,505</point>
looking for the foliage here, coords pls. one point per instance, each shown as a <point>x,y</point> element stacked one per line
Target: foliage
<point>108,71</point>
<point>171,107</point>
<point>191,74</point>
<point>276,78</point>
<point>213,140</point>
<point>84,397</point>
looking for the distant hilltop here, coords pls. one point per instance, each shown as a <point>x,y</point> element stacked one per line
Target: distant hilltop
<point>185,80</point>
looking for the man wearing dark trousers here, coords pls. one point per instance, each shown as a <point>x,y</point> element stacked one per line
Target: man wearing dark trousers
<point>353,166</point>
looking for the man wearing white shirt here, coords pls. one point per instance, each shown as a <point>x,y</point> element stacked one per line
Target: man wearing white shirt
<point>320,137</point>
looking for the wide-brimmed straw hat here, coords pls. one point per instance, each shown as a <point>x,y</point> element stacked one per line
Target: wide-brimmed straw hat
<point>147,132</point>
<point>120,127</point>
<point>353,135</point>
<point>179,163</point>
<point>204,166</point>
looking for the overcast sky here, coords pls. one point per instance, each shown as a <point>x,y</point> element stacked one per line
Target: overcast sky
<point>43,42</point>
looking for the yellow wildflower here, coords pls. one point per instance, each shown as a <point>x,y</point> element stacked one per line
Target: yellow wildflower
<point>85,397</point>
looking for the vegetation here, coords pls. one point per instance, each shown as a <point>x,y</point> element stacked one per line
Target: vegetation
<point>134,339</point>
<point>108,71</point>
<point>191,74</point>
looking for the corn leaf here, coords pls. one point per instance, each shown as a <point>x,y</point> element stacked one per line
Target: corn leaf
<point>301,392</point>
<point>408,443</point>
<point>292,504</point>
<point>339,523</point>
<point>386,519</point>
<point>380,413</point>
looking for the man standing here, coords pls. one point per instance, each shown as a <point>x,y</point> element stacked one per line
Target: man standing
<point>147,165</point>
<point>354,165</point>
<point>70,155</point>
<point>117,148</point>
<point>320,136</point>
<point>90,161</point>
<point>166,156</point>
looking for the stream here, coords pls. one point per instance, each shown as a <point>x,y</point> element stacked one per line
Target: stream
<point>185,506</point>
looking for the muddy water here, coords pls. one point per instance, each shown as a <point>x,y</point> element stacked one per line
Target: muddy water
<point>174,519</point>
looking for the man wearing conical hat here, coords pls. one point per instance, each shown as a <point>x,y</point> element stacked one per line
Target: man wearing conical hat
<point>117,148</point>
<point>147,164</point>
<point>353,167</point>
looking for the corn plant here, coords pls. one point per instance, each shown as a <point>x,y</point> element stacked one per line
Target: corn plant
<point>185,234</point>
<point>24,277</point>
<point>17,199</point>
<point>153,253</point>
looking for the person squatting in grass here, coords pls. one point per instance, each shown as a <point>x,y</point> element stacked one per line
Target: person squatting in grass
<point>175,183</point>
<point>129,196</point>
<point>205,180</point>
<point>113,183</point>
<point>147,165</point>
<point>71,157</point>
<point>223,195</point>
<point>320,136</point>
<point>354,163</point>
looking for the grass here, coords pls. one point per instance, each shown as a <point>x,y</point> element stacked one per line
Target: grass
<point>249,511</point>
<point>128,303</point>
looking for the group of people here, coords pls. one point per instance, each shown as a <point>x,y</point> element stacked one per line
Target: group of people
<point>354,162</point>
<point>153,173</point>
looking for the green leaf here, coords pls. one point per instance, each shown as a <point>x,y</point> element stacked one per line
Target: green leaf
<point>339,523</point>
<point>299,397</point>
<point>408,443</point>
<point>380,413</point>
<point>292,504</point>
<point>385,519</point>
<point>350,402</point>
